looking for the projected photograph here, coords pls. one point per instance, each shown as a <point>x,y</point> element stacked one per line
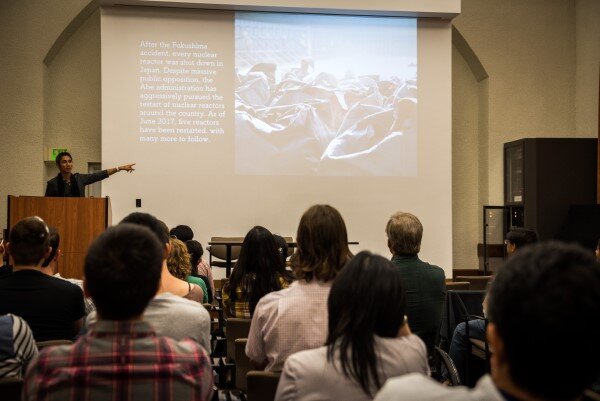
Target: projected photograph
<point>325,95</point>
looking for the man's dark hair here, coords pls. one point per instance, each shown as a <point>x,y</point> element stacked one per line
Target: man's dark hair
<point>182,233</point>
<point>53,242</point>
<point>147,220</point>
<point>122,271</point>
<point>29,241</point>
<point>366,300</point>
<point>60,156</point>
<point>520,237</point>
<point>545,304</point>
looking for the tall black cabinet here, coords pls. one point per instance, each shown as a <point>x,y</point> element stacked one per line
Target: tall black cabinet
<point>544,177</point>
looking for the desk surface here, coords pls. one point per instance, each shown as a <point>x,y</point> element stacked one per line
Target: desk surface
<point>236,242</point>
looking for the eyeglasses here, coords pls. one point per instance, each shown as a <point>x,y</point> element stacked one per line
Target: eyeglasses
<point>506,242</point>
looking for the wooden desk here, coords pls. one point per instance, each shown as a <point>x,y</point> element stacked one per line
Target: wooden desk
<point>238,242</point>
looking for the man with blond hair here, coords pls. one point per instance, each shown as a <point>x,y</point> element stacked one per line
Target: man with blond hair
<point>424,283</point>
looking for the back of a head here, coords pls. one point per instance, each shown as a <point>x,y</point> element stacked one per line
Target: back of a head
<point>182,232</point>
<point>178,261</point>
<point>545,304</point>
<point>404,232</point>
<point>322,244</point>
<point>366,299</point>
<point>122,271</point>
<point>195,250</point>
<point>258,256</point>
<point>521,237</point>
<point>54,243</point>
<point>152,223</point>
<point>29,241</point>
<point>282,249</point>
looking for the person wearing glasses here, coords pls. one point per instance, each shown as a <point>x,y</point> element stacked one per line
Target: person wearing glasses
<point>516,239</point>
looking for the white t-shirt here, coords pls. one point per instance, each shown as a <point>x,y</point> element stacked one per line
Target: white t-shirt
<point>175,317</point>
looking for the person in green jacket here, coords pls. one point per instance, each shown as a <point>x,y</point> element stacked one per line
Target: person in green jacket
<point>425,284</point>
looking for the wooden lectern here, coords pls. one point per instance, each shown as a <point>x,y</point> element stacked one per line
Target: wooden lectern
<point>78,220</point>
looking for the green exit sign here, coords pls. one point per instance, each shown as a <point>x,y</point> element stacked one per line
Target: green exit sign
<point>54,152</point>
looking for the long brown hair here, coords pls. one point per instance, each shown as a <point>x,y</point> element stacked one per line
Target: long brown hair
<point>322,244</point>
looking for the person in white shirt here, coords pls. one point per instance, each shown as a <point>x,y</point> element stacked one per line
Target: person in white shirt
<point>543,332</point>
<point>295,319</point>
<point>369,339</point>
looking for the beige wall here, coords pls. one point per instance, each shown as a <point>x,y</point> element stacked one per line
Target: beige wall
<point>587,63</point>
<point>27,31</point>
<point>72,97</point>
<point>542,58</point>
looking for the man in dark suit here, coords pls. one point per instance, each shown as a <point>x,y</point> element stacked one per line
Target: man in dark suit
<point>67,184</point>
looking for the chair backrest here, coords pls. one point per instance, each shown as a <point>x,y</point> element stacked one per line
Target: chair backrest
<point>458,285</point>
<point>236,328</point>
<point>220,251</point>
<point>262,386</point>
<point>457,306</point>
<point>290,248</point>
<point>43,344</point>
<point>11,388</point>
<point>477,282</point>
<point>243,365</point>
<point>447,362</point>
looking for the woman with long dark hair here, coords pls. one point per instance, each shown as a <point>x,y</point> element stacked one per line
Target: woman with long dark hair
<point>295,319</point>
<point>254,275</point>
<point>368,338</point>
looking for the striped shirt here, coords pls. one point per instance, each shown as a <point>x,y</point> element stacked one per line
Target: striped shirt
<point>17,346</point>
<point>121,361</point>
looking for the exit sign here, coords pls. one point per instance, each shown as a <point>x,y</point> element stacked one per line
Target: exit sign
<point>53,152</point>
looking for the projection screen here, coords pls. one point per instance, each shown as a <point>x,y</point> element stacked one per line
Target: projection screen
<point>243,118</point>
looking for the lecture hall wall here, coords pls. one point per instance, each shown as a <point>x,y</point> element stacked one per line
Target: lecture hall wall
<point>536,75</point>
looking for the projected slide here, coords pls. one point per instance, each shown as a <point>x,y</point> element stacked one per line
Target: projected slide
<point>325,95</point>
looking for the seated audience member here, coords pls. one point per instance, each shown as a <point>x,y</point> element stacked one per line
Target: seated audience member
<point>199,266</point>
<point>170,314</point>
<point>543,332</point>
<point>516,239</point>
<point>295,319</point>
<point>122,357</point>
<point>425,284</point>
<point>52,307</point>
<point>17,346</point>
<point>50,267</point>
<point>179,265</point>
<point>254,275</point>
<point>182,233</point>
<point>282,248</point>
<point>369,339</point>
<point>5,268</point>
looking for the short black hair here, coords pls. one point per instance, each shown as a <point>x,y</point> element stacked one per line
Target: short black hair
<point>122,270</point>
<point>60,156</point>
<point>54,243</point>
<point>182,233</point>
<point>520,237</point>
<point>29,241</point>
<point>147,220</point>
<point>545,304</point>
